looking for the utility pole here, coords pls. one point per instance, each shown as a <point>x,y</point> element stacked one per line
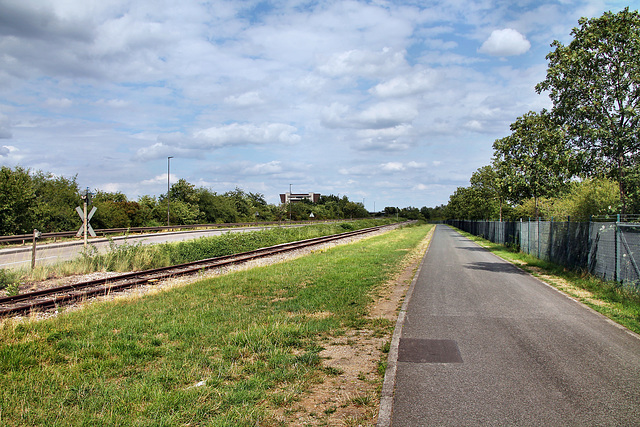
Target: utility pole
<point>168,185</point>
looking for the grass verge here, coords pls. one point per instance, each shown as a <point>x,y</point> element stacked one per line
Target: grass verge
<point>229,351</point>
<point>606,297</point>
<point>135,257</point>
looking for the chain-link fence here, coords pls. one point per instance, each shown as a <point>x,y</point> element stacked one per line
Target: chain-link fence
<point>610,250</point>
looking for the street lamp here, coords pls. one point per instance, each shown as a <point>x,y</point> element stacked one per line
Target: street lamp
<point>289,202</point>
<point>168,183</point>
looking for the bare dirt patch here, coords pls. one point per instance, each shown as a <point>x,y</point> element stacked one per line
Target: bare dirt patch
<point>349,394</point>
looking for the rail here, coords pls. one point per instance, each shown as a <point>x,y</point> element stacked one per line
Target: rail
<point>104,231</point>
<point>54,297</point>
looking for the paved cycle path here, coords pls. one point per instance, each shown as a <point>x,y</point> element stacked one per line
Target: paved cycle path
<point>483,343</point>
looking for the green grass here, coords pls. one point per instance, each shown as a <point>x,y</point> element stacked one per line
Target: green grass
<point>607,297</point>
<point>135,257</point>
<point>228,351</point>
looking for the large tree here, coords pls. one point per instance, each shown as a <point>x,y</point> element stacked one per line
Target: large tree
<point>491,188</point>
<point>594,84</point>
<point>534,161</point>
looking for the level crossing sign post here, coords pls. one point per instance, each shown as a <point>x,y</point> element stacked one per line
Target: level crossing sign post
<point>86,228</point>
<point>36,236</point>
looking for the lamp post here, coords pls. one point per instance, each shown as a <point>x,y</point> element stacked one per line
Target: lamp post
<point>289,202</point>
<point>168,183</point>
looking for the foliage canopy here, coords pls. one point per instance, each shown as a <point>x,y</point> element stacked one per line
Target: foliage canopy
<point>594,83</point>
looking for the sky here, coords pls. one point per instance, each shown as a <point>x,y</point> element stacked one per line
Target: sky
<point>390,103</point>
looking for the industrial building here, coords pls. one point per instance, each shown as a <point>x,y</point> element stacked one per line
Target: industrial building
<point>287,197</point>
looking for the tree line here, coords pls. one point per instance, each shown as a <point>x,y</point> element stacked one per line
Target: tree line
<point>581,158</point>
<point>40,200</point>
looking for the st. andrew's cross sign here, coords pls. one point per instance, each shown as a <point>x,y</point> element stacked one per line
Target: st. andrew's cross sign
<point>89,228</point>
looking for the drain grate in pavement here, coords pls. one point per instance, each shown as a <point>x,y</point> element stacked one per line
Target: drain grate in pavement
<point>428,351</point>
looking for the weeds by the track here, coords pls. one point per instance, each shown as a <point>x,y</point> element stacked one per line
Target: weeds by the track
<point>229,351</point>
<point>606,297</point>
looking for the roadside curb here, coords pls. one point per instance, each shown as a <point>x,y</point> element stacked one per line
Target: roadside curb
<point>389,384</point>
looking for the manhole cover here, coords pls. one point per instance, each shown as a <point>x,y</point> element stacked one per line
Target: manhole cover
<point>428,351</point>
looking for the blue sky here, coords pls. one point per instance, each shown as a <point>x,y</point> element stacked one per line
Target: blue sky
<point>395,103</point>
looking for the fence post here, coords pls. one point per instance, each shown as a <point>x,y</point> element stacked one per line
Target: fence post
<point>520,245</point>
<point>538,237</point>
<point>529,236</point>
<point>617,246</point>
<point>568,238</point>
<point>550,244</point>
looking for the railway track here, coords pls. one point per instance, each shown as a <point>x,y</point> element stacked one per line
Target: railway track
<point>52,298</point>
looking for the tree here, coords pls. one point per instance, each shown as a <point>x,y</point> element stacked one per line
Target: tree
<point>242,203</point>
<point>591,197</point>
<point>411,213</point>
<point>470,203</point>
<point>183,191</point>
<point>535,160</point>
<point>57,198</point>
<point>487,182</point>
<point>216,208</point>
<point>594,84</point>
<point>433,214</point>
<point>17,201</point>
<point>115,211</point>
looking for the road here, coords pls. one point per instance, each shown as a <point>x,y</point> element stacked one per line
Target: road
<point>483,343</point>
<point>52,253</point>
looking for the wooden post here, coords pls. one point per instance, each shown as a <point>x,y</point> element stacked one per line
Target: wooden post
<point>85,222</point>
<point>36,234</point>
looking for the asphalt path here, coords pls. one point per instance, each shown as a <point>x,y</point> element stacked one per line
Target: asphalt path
<point>482,343</point>
<point>52,253</point>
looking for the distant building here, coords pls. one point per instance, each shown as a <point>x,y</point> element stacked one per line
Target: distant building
<point>293,197</point>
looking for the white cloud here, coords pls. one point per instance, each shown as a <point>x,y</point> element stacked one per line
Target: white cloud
<point>387,139</point>
<point>407,85</point>
<point>243,134</point>
<point>415,165</point>
<point>59,103</point>
<point>232,135</point>
<point>113,103</point>
<point>165,149</point>
<point>393,167</point>
<point>159,179</point>
<point>269,168</point>
<point>507,42</point>
<point>400,167</point>
<point>246,99</point>
<point>378,116</point>
<point>474,125</point>
<point>363,63</point>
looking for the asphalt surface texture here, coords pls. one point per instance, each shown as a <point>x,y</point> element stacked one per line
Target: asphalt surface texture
<point>479,342</point>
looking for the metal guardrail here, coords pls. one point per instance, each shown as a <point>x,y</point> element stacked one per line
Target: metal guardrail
<point>28,237</point>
